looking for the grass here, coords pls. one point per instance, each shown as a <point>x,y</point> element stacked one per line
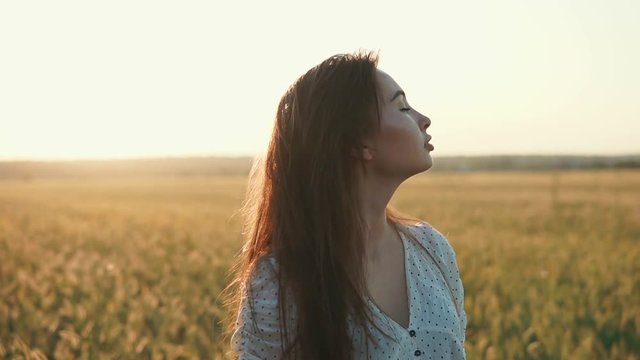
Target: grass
<point>132,267</point>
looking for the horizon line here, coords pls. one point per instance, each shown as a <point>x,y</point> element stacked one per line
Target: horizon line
<point>251,156</point>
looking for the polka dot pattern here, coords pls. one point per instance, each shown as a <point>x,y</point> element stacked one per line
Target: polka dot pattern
<point>437,319</point>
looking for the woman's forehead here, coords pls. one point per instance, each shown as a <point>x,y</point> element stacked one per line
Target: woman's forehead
<point>388,86</point>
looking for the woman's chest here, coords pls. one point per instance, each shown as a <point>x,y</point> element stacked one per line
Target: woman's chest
<point>387,285</point>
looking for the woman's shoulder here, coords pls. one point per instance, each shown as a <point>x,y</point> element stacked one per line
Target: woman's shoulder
<point>263,278</point>
<point>433,240</point>
<point>263,285</point>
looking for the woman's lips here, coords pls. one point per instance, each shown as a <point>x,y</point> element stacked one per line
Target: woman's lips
<point>428,145</point>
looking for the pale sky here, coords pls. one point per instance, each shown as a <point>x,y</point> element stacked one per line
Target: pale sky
<point>116,79</point>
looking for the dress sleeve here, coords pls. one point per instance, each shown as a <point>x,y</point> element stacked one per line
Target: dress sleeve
<point>452,272</point>
<point>257,335</point>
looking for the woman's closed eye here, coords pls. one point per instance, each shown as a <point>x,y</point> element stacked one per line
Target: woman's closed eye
<point>405,109</point>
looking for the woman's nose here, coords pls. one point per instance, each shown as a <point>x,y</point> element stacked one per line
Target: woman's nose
<point>425,122</point>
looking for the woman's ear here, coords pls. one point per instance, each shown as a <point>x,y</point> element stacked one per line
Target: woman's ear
<point>367,153</point>
<point>363,151</point>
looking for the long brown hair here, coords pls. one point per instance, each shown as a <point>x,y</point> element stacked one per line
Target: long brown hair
<point>302,206</point>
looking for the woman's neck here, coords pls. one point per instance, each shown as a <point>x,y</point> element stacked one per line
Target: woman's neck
<point>375,194</point>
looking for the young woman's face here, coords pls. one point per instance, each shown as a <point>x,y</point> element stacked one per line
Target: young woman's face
<point>400,148</point>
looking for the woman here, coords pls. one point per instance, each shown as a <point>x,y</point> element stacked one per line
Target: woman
<point>328,270</point>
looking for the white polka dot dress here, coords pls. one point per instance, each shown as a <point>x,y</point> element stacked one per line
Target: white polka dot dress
<point>437,319</point>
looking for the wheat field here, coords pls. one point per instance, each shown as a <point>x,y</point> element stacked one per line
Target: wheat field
<point>132,268</point>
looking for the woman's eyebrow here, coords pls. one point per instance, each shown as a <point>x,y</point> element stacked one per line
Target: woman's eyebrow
<point>398,93</point>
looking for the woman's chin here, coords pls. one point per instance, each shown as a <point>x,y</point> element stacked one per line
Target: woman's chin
<point>429,162</point>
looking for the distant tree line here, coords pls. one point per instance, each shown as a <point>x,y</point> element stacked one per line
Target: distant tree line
<point>534,162</point>
<point>240,166</point>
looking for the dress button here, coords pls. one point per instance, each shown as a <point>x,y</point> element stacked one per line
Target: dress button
<point>412,332</point>
<point>417,353</point>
